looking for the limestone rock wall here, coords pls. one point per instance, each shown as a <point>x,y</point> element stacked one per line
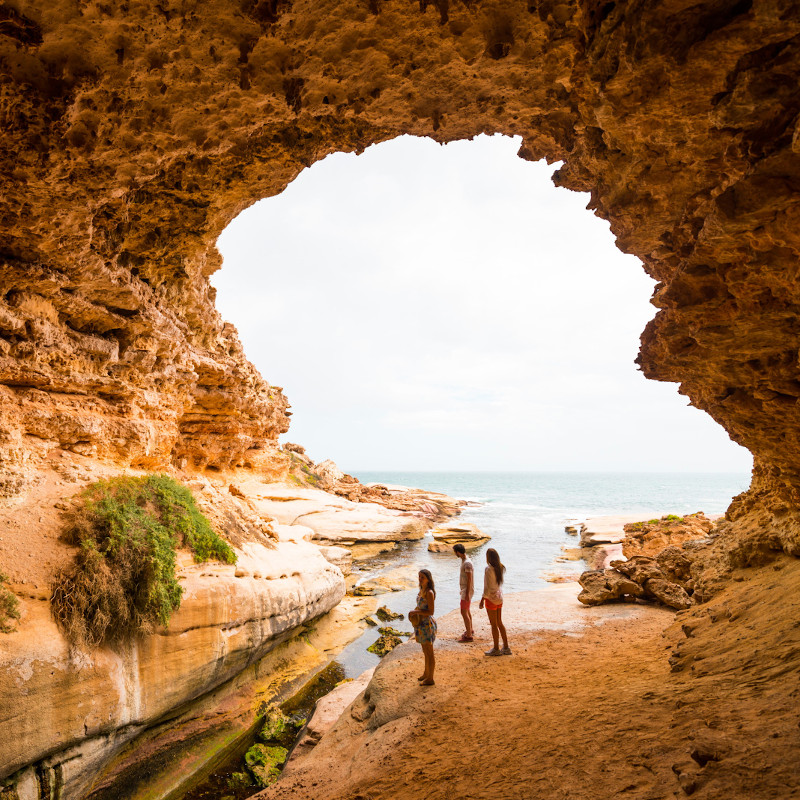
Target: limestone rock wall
<point>132,133</point>
<point>64,712</point>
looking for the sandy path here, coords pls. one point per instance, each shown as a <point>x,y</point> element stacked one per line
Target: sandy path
<point>583,710</point>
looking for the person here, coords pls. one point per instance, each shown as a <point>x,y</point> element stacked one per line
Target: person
<point>424,624</point>
<point>493,600</point>
<point>466,584</point>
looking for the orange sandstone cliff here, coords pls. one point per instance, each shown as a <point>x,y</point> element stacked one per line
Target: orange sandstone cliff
<point>133,132</point>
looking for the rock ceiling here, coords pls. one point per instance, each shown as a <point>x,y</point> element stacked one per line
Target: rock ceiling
<point>133,132</point>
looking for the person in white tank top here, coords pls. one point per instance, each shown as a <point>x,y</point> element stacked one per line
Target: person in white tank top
<point>493,600</point>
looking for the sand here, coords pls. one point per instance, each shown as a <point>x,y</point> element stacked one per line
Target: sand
<point>594,703</point>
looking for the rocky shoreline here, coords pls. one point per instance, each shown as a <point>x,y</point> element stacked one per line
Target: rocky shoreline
<point>246,633</point>
<point>77,722</point>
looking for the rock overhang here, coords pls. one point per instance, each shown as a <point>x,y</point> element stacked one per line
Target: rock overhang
<point>134,134</point>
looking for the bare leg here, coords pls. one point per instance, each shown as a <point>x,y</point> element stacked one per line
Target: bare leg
<point>430,663</point>
<point>466,615</point>
<point>495,630</point>
<point>502,628</point>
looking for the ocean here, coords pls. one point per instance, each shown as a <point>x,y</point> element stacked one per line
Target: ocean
<point>525,514</point>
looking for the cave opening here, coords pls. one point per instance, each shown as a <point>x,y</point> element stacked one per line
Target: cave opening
<point>446,307</point>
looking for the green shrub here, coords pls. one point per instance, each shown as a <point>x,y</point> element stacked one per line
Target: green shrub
<point>9,606</point>
<point>123,579</point>
<point>672,518</point>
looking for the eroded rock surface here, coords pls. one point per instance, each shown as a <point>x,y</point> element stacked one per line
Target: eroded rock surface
<point>651,537</point>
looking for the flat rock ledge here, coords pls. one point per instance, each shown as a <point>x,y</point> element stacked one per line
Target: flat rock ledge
<point>466,533</point>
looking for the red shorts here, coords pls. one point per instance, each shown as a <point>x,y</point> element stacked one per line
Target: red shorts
<point>490,606</point>
<point>465,605</point>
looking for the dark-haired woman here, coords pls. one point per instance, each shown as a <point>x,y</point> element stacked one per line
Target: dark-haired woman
<point>493,600</point>
<point>424,624</point>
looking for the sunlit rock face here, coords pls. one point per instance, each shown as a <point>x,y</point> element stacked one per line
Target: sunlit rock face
<point>134,132</point>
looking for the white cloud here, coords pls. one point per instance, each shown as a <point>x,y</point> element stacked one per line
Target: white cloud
<point>430,307</point>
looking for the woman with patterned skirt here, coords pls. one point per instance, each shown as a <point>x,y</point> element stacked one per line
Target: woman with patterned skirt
<point>424,624</point>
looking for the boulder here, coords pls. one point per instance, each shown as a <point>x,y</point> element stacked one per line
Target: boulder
<point>675,564</point>
<point>638,568</point>
<point>664,579</point>
<point>668,593</point>
<point>652,537</point>
<point>603,586</point>
<point>384,644</point>
<point>386,615</point>
<point>463,532</point>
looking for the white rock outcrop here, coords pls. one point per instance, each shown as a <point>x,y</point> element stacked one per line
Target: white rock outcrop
<point>66,712</point>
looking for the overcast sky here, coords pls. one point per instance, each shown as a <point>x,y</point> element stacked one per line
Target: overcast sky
<point>431,307</point>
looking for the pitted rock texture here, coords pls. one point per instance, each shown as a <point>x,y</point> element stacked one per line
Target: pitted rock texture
<point>651,537</point>
<point>133,133</point>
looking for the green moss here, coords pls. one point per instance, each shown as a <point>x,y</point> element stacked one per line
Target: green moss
<point>384,614</point>
<point>9,607</point>
<point>672,518</point>
<point>384,644</point>
<point>123,579</point>
<point>265,762</point>
<point>390,631</point>
<point>276,725</point>
<point>238,781</point>
<point>652,522</point>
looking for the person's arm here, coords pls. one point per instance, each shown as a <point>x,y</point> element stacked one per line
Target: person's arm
<point>431,597</point>
<point>483,596</point>
<point>470,582</point>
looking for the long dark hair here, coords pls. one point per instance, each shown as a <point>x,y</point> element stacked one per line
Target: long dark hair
<point>494,562</point>
<point>429,578</point>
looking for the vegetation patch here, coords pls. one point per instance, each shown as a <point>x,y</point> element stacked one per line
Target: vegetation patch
<point>301,473</point>
<point>265,762</point>
<point>123,579</point>
<point>9,607</point>
<point>672,518</point>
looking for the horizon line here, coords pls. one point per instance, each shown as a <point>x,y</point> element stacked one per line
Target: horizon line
<point>556,471</point>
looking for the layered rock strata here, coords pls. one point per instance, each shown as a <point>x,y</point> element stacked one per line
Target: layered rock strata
<point>332,519</point>
<point>65,712</point>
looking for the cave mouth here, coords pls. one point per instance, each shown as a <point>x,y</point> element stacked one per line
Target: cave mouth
<point>446,307</point>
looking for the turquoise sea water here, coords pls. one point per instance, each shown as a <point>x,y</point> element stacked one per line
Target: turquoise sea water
<point>525,514</point>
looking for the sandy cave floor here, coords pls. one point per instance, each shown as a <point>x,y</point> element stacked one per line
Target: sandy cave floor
<point>594,703</point>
